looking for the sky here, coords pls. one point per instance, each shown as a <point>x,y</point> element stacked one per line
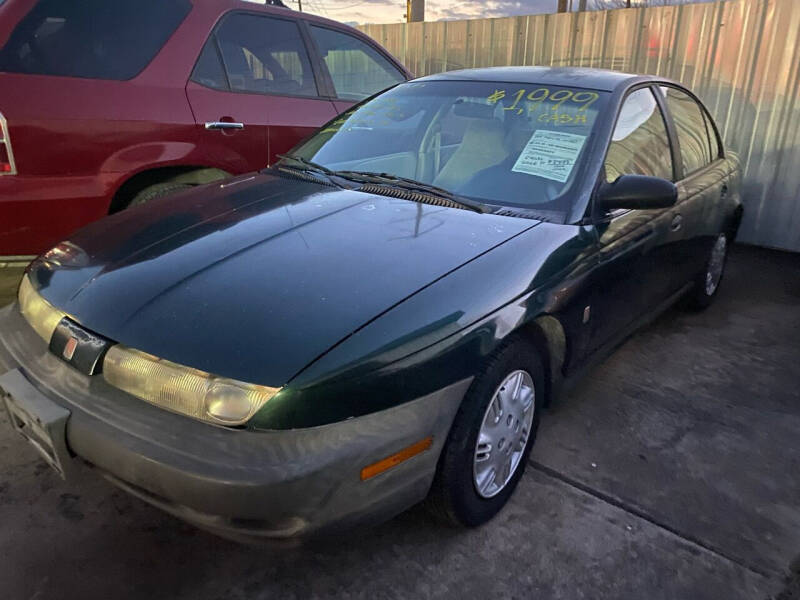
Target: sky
<point>392,11</point>
<point>356,12</point>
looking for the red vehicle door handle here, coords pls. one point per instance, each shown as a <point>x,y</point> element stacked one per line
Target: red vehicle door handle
<point>223,125</point>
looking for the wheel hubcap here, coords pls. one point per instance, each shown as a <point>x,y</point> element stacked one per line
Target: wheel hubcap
<point>715,264</point>
<point>503,434</point>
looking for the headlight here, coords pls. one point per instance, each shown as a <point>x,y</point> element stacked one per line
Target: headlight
<point>38,312</point>
<point>182,389</point>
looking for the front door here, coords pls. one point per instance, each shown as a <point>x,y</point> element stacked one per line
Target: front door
<point>633,274</point>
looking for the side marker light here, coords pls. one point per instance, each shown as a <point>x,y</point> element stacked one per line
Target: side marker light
<point>396,458</point>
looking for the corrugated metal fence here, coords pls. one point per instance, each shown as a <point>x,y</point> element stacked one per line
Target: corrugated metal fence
<point>742,57</point>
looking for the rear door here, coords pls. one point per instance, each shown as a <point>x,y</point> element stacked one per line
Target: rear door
<point>634,272</point>
<point>702,183</point>
<point>254,90</point>
<point>356,69</point>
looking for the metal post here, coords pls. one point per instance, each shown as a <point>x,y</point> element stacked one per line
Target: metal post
<point>415,11</point>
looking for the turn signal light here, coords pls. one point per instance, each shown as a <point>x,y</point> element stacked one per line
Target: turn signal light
<point>396,458</point>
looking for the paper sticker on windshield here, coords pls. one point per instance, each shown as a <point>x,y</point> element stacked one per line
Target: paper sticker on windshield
<point>550,154</point>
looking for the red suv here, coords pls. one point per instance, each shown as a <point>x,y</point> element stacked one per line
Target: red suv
<point>107,104</point>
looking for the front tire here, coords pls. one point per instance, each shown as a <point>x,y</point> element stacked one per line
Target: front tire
<point>490,439</point>
<point>157,190</point>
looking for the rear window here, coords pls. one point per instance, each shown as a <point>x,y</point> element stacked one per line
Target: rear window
<point>98,39</point>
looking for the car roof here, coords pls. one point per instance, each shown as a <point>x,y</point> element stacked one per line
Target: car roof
<point>597,79</point>
<point>261,5</point>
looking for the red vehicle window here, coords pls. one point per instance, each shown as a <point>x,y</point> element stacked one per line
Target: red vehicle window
<point>251,53</point>
<point>357,69</point>
<point>94,39</point>
<point>209,70</point>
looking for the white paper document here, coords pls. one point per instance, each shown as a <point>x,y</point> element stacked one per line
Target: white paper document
<point>550,154</point>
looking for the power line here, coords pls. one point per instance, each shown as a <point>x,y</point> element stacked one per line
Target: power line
<point>347,7</point>
<point>317,6</point>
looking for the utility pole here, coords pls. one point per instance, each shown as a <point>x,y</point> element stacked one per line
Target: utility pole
<point>300,5</point>
<point>415,11</point>
<point>562,5</point>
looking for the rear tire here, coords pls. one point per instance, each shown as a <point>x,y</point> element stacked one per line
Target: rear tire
<point>707,283</point>
<point>157,190</point>
<point>485,453</point>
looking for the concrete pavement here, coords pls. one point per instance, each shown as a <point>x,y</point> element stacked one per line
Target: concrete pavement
<point>672,471</point>
<point>9,281</point>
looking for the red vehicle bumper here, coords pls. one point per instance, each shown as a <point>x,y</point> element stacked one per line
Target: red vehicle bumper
<point>38,212</point>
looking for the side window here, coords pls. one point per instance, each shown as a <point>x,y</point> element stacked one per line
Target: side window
<point>357,70</point>
<point>208,71</point>
<point>260,55</point>
<point>690,123</point>
<point>639,145</point>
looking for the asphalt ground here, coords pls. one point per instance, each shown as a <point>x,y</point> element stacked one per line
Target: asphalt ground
<point>671,471</point>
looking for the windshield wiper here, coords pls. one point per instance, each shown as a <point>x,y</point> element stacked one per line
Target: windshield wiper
<point>413,185</point>
<point>310,165</point>
<point>389,179</point>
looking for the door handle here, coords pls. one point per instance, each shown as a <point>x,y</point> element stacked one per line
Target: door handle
<point>723,191</point>
<point>224,125</point>
<point>677,221</point>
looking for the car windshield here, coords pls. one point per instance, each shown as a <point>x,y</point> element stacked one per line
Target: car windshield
<point>497,143</point>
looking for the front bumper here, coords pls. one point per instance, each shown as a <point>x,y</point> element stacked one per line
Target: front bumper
<point>237,483</point>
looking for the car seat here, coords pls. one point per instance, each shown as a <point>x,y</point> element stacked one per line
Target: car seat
<point>481,147</point>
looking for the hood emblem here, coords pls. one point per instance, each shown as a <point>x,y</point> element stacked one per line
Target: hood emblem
<point>69,348</point>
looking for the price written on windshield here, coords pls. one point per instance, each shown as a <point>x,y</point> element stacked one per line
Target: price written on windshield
<point>554,101</point>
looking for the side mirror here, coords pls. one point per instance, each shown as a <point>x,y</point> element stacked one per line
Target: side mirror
<point>638,192</point>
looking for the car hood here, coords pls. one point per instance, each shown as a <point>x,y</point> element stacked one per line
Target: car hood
<point>257,277</point>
